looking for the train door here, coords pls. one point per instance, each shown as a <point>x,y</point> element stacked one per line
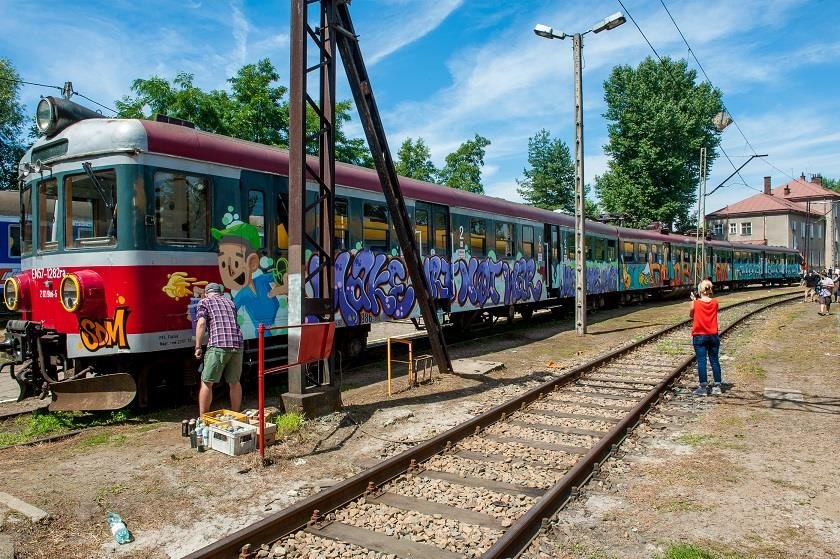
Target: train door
<point>552,237</point>
<point>439,240</point>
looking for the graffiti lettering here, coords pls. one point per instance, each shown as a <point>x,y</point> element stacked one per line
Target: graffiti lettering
<point>107,333</point>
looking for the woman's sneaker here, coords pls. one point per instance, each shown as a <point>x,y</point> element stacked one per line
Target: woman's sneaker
<point>716,390</point>
<point>701,390</point>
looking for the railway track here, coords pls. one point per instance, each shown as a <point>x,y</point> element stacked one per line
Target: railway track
<point>485,487</point>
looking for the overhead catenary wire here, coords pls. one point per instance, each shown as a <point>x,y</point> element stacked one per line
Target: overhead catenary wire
<point>58,87</point>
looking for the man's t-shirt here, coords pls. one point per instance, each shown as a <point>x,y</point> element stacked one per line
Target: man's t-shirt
<point>261,308</point>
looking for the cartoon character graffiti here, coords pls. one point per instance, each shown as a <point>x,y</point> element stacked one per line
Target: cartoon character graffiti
<point>255,292</point>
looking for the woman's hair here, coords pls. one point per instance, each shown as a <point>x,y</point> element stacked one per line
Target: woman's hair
<point>705,287</point>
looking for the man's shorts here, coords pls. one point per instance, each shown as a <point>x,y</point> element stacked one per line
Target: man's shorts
<point>222,360</point>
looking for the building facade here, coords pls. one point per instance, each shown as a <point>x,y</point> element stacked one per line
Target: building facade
<point>800,214</point>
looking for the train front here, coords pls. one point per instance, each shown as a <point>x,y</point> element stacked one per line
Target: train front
<point>88,322</point>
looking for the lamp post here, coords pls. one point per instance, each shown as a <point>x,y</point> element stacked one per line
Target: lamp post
<point>547,32</point>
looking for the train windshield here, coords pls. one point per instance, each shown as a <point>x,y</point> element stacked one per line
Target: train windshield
<point>26,215</point>
<point>91,209</point>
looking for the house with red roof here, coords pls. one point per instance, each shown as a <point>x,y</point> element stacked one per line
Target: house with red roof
<point>800,214</point>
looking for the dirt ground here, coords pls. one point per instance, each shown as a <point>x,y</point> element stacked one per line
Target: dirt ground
<point>175,500</point>
<point>739,476</point>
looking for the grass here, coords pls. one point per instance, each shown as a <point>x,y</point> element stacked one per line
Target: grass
<point>670,347</point>
<point>288,424</point>
<point>687,551</point>
<point>43,424</point>
<point>679,505</point>
<point>694,439</point>
<point>752,370</point>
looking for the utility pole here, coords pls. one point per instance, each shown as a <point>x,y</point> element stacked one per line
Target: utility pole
<point>580,208</point>
<point>700,238</point>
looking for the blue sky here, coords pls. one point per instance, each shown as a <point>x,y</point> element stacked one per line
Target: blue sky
<point>447,69</point>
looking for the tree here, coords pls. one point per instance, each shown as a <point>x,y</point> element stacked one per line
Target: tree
<point>549,181</point>
<point>463,166</point>
<point>253,110</point>
<point>831,184</point>
<point>414,160</point>
<point>659,119</point>
<point>12,124</point>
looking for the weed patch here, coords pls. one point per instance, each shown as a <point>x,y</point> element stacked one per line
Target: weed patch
<point>288,424</point>
<point>694,439</point>
<point>687,551</point>
<point>43,424</point>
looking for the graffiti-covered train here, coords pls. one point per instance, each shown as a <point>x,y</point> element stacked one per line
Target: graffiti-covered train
<point>125,221</point>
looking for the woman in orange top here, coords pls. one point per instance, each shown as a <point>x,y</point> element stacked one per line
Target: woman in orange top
<point>705,338</point>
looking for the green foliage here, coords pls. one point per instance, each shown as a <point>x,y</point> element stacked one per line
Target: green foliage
<point>831,184</point>
<point>288,424</point>
<point>463,166</point>
<point>549,180</point>
<point>12,124</point>
<point>659,119</point>
<point>687,551</point>
<point>414,160</point>
<point>43,424</point>
<point>253,110</point>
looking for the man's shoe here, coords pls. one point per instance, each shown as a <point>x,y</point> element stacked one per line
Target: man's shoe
<point>700,391</point>
<point>716,390</point>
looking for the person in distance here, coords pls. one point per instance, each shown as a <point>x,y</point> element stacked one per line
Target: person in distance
<point>825,287</point>
<point>705,337</point>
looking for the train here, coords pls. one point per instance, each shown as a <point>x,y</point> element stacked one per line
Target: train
<point>124,221</point>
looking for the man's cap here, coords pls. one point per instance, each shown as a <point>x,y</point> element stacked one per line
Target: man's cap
<point>245,232</point>
<point>213,288</point>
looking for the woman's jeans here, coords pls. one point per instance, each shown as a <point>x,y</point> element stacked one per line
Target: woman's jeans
<point>703,346</point>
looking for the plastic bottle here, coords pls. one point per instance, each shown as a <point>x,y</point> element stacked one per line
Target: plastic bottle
<point>118,529</point>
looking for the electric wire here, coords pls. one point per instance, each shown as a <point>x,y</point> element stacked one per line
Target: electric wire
<point>723,151</point>
<point>58,87</point>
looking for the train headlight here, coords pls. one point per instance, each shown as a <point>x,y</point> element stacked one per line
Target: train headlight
<point>71,293</point>
<point>11,293</point>
<point>45,116</point>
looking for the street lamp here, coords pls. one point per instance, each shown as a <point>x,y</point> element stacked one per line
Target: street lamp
<point>547,32</point>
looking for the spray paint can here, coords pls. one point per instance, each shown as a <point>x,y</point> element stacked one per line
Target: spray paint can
<point>185,428</point>
<point>193,435</point>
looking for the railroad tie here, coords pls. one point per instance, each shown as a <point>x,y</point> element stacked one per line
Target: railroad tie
<point>430,508</point>
<point>383,543</point>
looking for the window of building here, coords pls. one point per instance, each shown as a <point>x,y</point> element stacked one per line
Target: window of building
<point>746,228</point>
<point>733,228</point>
<point>504,240</point>
<point>718,229</point>
<point>47,209</point>
<point>527,241</point>
<point>811,230</point>
<point>342,225</point>
<point>793,226</point>
<point>478,237</point>
<point>819,231</point>
<point>256,213</point>
<point>375,231</point>
<point>181,209</point>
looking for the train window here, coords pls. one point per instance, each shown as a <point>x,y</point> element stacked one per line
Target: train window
<point>14,241</point>
<point>569,241</point>
<point>342,226</point>
<point>256,213</point>
<point>643,252</point>
<point>47,208</point>
<point>181,208</point>
<point>654,253</point>
<point>26,211</point>
<point>421,228</point>
<point>628,252</point>
<point>527,241</point>
<point>600,249</point>
<point>504,240</point>
<point>375,232</point>
<point>611,256</point>
<point>555,240</point>
<point>478,237</point>
<point>441,223</point>
<point>590,247</point>
<point>90,209</point>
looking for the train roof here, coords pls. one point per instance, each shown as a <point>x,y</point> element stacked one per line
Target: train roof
<point>107,135</point>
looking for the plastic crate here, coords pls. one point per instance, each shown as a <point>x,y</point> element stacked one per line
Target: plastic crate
<point>270,430</point>
<point>215,417</point>
<point>233,444</point>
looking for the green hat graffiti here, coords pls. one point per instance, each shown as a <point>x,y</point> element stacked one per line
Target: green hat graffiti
<point>245,231</point>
